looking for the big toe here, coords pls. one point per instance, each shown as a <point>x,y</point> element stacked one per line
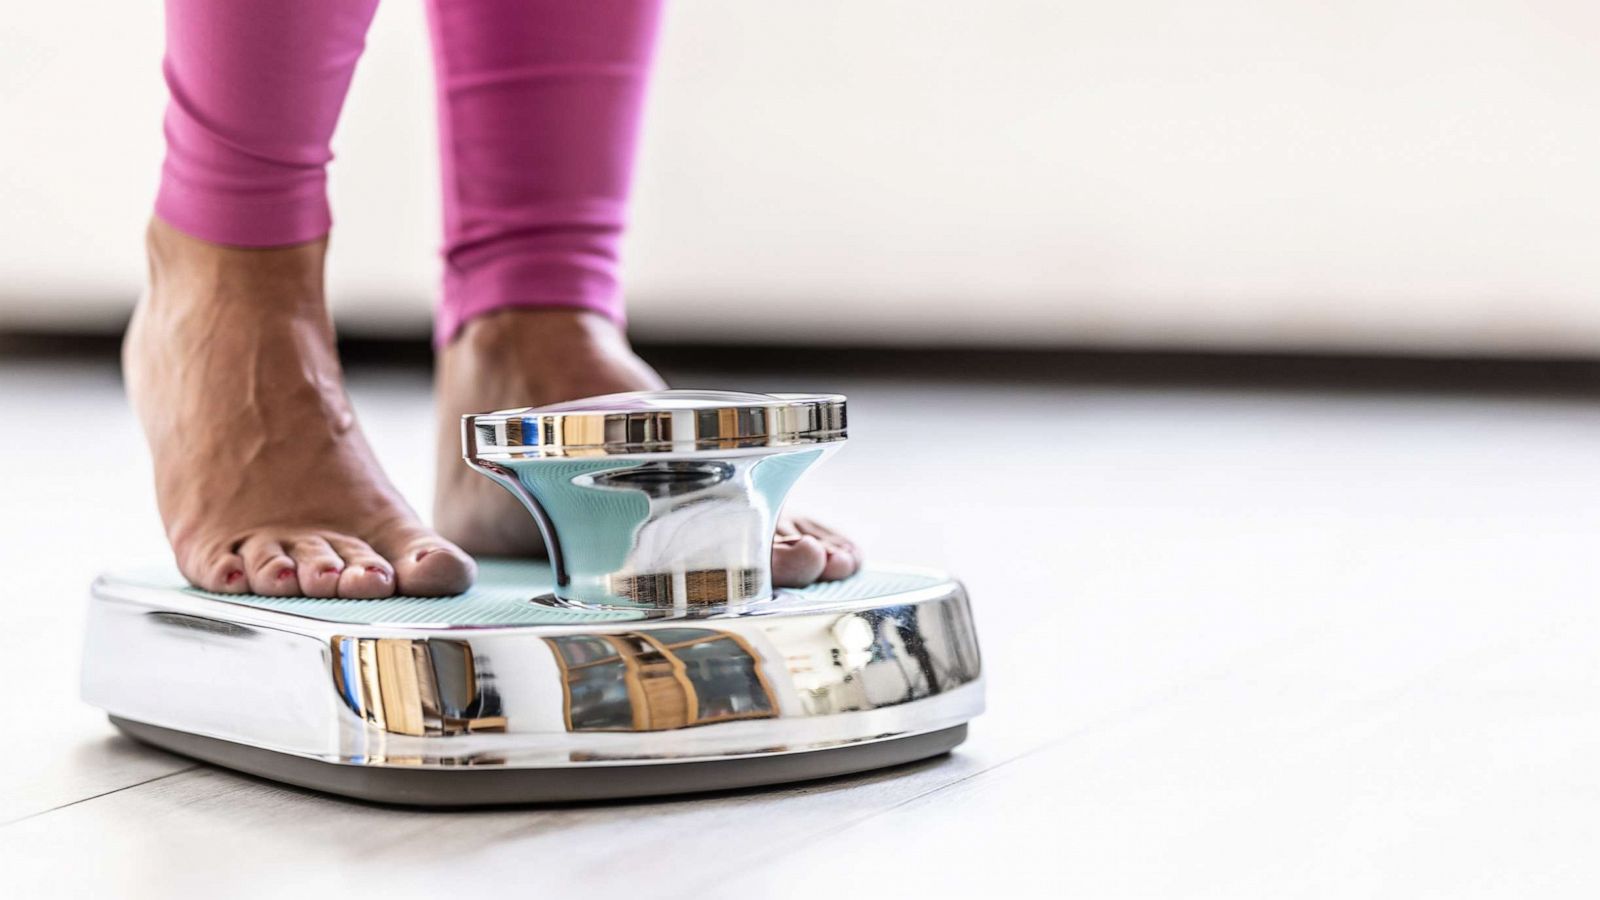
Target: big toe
<point>429,566</point>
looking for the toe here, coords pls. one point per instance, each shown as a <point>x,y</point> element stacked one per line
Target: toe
<point>269,568</point>
<point>843,559</point>
<point>802,525</point>
<point>797,560</point>
<point>841,563</point>
<point>220,572</point>
<point>366,579</point>
<point>317,566</point>
<point>366,575</point>
<point>426,565</point>
<point>437,569</point>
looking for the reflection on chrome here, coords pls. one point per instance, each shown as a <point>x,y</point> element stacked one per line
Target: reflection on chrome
<point>661,679</point>
<point>878,658</point>
<point>665,676</point>
<point>426,687</point>
<point>705,525</point>
<point>880,655</point>
<point>675,677</point>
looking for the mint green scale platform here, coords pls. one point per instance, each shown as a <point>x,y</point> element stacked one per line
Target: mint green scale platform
<point>514,592</point>
<point>502,597</point>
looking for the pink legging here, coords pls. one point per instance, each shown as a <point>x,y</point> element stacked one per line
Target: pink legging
<point>539,104</point>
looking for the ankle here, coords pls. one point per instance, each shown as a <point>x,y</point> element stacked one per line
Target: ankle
<point>517,330</point>
<point>186,268</point>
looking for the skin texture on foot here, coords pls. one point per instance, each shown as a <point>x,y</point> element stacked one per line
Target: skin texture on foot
<point>265,482</point>
<point>525,357</point>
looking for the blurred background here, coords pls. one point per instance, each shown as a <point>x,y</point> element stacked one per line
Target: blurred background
<point>1241,357</point>
<point>1396,178</point>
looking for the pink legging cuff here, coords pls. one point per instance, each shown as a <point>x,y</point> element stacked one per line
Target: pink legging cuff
<point>525,281</point>
<point>240,219</point>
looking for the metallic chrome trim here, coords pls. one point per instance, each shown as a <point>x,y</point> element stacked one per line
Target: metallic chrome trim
<point>650,422</point>
<point>785,676</point>
<point>662,499</point>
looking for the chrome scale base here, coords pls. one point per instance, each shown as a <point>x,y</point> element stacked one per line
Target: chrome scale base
<point>651,656</point>
<point>504,696</point>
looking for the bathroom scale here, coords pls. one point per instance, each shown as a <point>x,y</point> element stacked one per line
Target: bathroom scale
<point>650,655</point>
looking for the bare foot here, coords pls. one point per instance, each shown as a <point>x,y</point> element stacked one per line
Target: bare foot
<point>264,480</point>
<point>527,357</point>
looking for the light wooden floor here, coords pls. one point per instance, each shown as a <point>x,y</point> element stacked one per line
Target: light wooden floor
<point>1239,644</point>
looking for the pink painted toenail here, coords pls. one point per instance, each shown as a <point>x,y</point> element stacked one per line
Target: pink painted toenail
<point>232,577</point>
<point>329,570</point>
<point>422,553</point>
<point>382,574</point>
<point>285,573</point>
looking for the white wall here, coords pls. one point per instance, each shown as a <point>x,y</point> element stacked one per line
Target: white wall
<point>1414,176</point>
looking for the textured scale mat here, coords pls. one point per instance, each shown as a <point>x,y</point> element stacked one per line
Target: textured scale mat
<point>502,597</point>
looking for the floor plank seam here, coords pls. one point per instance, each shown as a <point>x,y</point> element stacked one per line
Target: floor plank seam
<point>126,787</point>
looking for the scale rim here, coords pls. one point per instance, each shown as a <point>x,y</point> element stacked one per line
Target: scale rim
<point>647,423</point>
